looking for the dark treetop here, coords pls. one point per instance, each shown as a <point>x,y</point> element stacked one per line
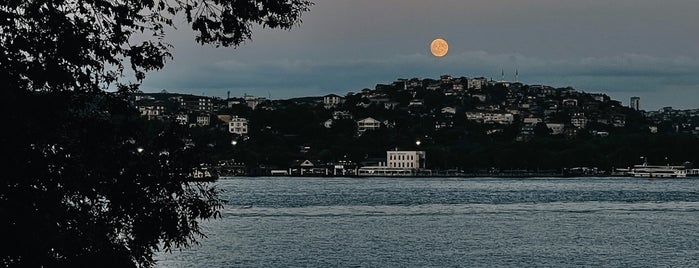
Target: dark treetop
<point>86,182</point>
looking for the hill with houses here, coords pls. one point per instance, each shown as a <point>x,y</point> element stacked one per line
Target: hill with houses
<point>464,125</point>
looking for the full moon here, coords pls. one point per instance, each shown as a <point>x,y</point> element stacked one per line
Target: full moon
<point>439,47</point>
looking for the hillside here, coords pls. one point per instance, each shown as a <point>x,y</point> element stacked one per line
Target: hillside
<point>466,124</point>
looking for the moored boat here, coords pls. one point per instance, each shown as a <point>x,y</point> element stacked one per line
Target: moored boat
<point>651,171</point>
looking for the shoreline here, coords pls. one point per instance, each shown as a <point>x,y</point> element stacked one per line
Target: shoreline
<point>505,176</point>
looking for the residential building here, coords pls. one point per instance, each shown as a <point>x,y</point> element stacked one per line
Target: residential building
<point>556,128</point>
<point>151,109</point>
<point>332,100</point>
<point>391,105</point>
<point>368,124</point>
<point>307,168</point>
<point>238,125</point>
<point>600,97</point>
<point>195,103</point>
<point>579,120</point>
<point>480,97</point>
<point>635,103</point>
<point>253,101</point>
<point>448,110</point>
<point>618,120</point>
<point>234,101</point>
<point>203,120</point>
<point>416,102</point>
<point>182,118</point>
<point>328,123</point>
<point>491,117</point>
<point>342,115</point>
<point>569,103</point>
<point>476,83</point>
<point>532,120</point>
<point>434,86</point>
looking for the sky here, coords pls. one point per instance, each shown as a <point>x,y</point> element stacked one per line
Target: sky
<point>623,48</point>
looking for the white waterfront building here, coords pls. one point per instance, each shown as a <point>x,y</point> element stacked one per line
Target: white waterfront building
<point>405,159</point>
<point>398,163</point>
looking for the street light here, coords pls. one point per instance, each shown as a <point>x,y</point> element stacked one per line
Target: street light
<point>234,142</point>
<point>417,142</point>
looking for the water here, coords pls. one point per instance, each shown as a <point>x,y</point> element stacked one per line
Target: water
<point>450,222</point>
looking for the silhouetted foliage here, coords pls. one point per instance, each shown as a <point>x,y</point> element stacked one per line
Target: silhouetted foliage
<point>87,182</point>
<point>83,45</point>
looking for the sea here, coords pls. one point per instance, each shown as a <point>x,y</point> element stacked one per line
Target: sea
<point>449,222</point>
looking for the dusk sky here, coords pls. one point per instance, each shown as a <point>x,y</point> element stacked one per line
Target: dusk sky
<point>624,48</point>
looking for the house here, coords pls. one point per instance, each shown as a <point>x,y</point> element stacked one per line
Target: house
<point>379,100</point>
<point>238,125</point>
<point>151,109</point>
<point>579,120</point>
<point>391,105</point>
<point>527,130</point>
<point>307,168</point>
<point>332,100</point>
<point>491,117</point>
<point>449,110</point>
<point>440,124</point>
<point>618,120</point>
<point>328,123</point>
<point>556,128</point>
<point>195,103</point>
<point>253,101</point>
<point>342,115</point>
<point>600,97</point>
<point>476,83</point>
<point>445,79</point>
<point>230,168</point>
<point>569,103</point>
<point>389,123</point>
<point>531,120</point>
<point>234,101</point>
<point>480,97</point>
<point>416,102</point>
<point>433,87</point>
<point>182,118</point>
<point>368,124</point>
<point>203,120</point>
<point>343,168</point>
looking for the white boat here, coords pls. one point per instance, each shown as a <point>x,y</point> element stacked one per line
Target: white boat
<point>650,171</point>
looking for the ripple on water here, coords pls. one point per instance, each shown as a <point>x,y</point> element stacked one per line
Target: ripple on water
<point>418,222</point>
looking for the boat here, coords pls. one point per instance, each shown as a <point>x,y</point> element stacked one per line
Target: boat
<point>653,171</point>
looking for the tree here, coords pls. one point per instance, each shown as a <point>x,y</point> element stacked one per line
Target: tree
<point>87,182</point>
<point>541,130</point>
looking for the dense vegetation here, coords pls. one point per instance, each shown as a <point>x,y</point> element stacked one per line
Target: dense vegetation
<point>86,182</point>
<point>288,130</point>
